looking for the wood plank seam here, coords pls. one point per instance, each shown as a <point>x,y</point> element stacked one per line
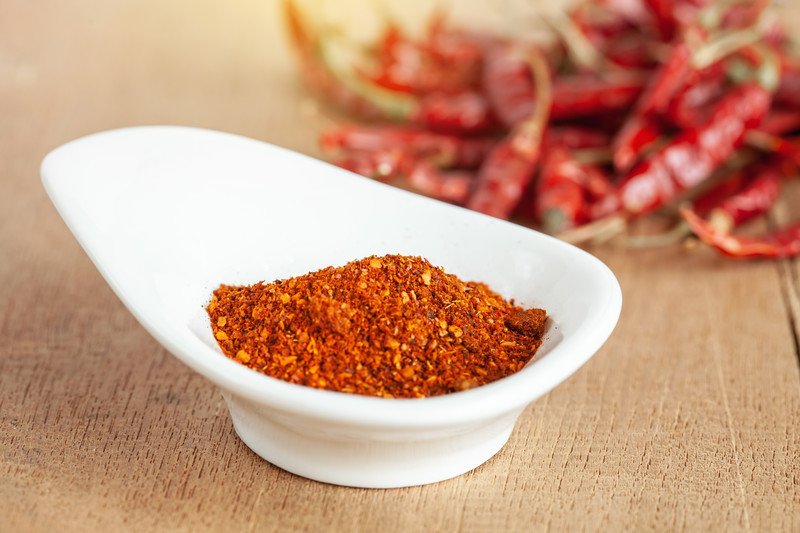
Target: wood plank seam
<point>790,291</point>
<point>792,315</point>
<point>794,289</point>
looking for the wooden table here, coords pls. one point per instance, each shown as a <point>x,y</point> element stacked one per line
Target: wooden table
<point>687,418</point>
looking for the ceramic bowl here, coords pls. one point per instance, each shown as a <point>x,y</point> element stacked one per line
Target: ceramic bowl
<point>168,213</point>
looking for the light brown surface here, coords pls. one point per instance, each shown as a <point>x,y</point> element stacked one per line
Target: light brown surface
<point>688,418</point>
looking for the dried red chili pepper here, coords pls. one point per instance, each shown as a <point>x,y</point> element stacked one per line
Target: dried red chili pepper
<point>601,23</point>
<point>631,50</point>
<point>576,137</point>
<point>604,208</point>
<point>391,326</point>
<point>453,186</point>
<point>597,182</point>
<point>446,61</point>
<point>386,47</point>
<point>560,201</point>
<point>694,154</point>
<point>455,43</point>
<point>508,85</point>
<point>440,149</point>
<point>395,164</point>
<point>633,140</point>
<point>381,165</point>
<point>754,199</point>
<point>738,198</point>
<point>788,91</point>
<point>690,105</point>
<point>368,138</point>
<point>400,62</point>
<point>663,12</point>
<point>727,187</point>
<point>586,95</point>
<point>782,243</point>
<point>642,128</point>
<point>502,180</point>
<point>781,122</point>
<point>666,82</point>
<point>504,176</point>
<point>465,112</point>
<point>790,149</point>
<point>460,52</point>
<point>579,95</point>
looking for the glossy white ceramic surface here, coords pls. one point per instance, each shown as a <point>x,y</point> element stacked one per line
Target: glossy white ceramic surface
<point>169,213</point>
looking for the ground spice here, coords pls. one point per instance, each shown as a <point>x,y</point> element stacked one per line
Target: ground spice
<point>392,326</point>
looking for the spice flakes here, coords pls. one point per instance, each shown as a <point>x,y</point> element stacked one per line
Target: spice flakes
<point>392,326</point>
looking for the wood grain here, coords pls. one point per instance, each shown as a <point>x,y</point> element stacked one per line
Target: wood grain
<point>687,419</point>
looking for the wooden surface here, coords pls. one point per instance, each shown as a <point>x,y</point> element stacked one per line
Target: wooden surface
<point>689,418</point>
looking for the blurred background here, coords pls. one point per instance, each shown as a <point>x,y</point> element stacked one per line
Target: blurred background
<point>173,59</point>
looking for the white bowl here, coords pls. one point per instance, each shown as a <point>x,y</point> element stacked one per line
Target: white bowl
<point>169,213</point>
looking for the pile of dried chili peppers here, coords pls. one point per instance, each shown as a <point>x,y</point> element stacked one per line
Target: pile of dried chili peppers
<point>689,107</point>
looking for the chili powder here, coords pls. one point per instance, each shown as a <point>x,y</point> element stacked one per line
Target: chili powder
<point>392,326</point>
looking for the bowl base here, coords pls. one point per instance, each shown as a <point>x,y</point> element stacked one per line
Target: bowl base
<point>369,458</point>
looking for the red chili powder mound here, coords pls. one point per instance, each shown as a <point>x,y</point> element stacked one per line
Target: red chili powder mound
<point>392,326</point>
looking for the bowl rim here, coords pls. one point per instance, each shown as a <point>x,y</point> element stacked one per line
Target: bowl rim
<point>506,395</point>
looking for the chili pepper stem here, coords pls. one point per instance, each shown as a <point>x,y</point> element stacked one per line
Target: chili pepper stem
<point>711,16</point>
<point>720,221</point>
<point>727,44</point>
<point>528,135</point>
<point>674,235</point>
<point>593,156</point>
<point>762,140</point>
<point>554,221</point>
<point>598,231</point>
<point>582,52</point>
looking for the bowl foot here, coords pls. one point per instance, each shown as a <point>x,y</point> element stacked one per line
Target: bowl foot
<point>370,458</point>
